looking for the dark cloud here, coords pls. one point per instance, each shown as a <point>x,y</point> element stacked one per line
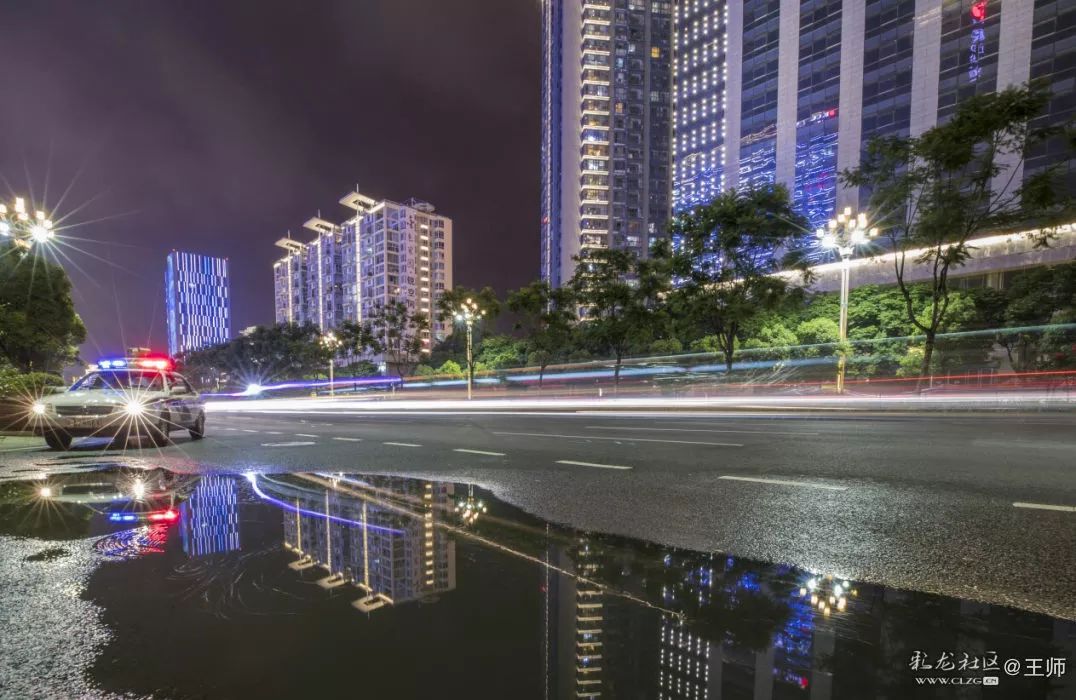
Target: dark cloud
<point>216,126</point>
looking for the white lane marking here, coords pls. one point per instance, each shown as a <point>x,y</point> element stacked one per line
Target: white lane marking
<point>591,464</point>
<point>1045,506</point>
<point>247,430</point>
<point>287,444</point>
<point>623,439</point>
<point>783,482</point>
<point>273,432</point>
<point>479,452</point>
<point>696,430</point>
<point>304,435</point>
<point>348,439</point>
<point>401,444</point>
<point>227,428</point>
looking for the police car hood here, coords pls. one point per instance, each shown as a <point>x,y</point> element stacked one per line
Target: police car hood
<point>99,397</point>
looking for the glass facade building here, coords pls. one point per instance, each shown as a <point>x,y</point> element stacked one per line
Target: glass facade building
<point>791,91</point>
<point>606,128</point>
<point>197,301</point>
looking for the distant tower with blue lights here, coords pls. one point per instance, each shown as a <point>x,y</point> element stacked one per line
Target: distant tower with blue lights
<point>197,301</point>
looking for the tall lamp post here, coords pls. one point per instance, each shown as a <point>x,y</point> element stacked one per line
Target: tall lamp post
<point>17,224</point>
<point>844,234</point>
<point>330,341</point>
<point>468,313</point>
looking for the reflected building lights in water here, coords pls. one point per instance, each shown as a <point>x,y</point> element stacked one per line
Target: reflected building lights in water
<point>618,617</point>
<point>210,517</point>
<point>393,553</point>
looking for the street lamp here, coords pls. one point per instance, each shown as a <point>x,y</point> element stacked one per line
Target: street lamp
<point>468,313</point>
<point>25,230</point>
<point>844,234</point>
<point>330,341</point>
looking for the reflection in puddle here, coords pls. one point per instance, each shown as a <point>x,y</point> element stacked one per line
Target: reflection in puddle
<point>305,584</point>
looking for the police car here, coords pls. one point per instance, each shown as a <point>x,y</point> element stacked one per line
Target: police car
<point>122,398</point>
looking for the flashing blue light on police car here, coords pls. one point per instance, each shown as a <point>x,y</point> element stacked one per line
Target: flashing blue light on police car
<point>112,364</point>
<point>122,517</point>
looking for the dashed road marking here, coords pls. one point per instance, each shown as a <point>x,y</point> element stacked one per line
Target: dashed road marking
<point>348,439</point>
<point>401,444</point>
<point>273,432</point>
<point>479,452</point>
<point>624,439</point>
<point>1045,506</point>
<point>304,435</point>
<point>591,464</point>
<point>784,482</point>
<point>248,430</point>
<point>287,444</point>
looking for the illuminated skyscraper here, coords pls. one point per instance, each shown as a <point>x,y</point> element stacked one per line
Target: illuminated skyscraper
<point>791,91</point>
<point>606,110</point>
<point>197,301</point>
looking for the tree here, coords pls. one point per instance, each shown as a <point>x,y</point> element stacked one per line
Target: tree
<point>547,317</point>
<point>39,329</point>
<point>268,353</point>
<point>932,193</point>
<point>618,296</point>
<point>392,331</point>
<point>1036,297</point>
<point>501,351</point>
<point>730,250</point>
<point>447,307</point>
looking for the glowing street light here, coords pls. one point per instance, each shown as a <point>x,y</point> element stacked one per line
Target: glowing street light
<point>330,341</point>
<point>844,234</point>
<point>17,224</point>
<point>468,313</point>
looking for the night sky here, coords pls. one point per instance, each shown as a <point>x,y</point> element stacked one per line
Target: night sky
<point>216,126</point>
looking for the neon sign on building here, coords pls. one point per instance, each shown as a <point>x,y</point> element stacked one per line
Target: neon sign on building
<point>978,40</point>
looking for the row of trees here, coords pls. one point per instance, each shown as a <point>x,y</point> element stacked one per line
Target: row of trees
<point>716,290</point>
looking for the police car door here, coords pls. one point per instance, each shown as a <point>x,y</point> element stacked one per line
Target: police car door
<point>179,400</point>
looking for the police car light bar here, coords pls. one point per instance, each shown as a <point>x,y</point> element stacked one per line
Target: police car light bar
<point>145,362</point>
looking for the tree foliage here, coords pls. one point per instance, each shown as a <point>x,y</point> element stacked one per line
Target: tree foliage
<point>394,332</point>
<point>932,193</point>
<point>39,329</point>
<point>547,317</point>
<point>730,250</point>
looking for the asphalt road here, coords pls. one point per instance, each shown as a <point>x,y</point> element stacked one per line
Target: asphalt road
<point>924,501</point>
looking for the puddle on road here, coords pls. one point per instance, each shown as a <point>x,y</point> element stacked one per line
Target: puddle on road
<point>309,585</point>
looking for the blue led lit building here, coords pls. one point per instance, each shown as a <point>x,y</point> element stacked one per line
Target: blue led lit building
<point>197,301</point>
<point>210,517</point>
<point>791,91</point>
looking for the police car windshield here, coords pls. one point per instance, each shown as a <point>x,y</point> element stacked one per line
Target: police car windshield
<point>142,380</point>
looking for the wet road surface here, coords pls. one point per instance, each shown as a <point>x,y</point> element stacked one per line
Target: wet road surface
<point>143,582</point>
<point>974,506</point>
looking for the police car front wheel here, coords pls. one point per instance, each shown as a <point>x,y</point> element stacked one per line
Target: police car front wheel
<point>57,440</point>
